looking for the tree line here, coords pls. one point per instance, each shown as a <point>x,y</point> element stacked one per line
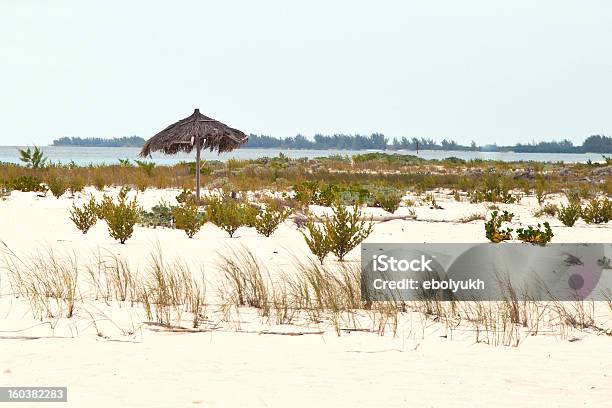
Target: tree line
<point>378,141</point>
<point>126,141</point>
<point>375,141</point>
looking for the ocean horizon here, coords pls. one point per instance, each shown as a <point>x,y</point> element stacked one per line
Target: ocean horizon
<point>85,155</point>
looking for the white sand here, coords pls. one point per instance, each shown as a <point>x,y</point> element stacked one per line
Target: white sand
<point>420,367</point>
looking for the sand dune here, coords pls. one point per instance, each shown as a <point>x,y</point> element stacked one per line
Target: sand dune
<point>108,357</point>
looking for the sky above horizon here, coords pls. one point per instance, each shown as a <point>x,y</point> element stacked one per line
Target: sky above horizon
<point>489,71</point>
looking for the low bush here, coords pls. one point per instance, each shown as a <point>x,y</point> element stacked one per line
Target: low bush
<point>84,217</point>
<point>540,192</point>
<point>226,213</point>
<point>495,191</point>
<point>99,182</point>
<point>316,239</point>
<point>311,192</point>
<point>345,230</point>
<point>597,211</point>
<point>26,183</point>
<point>146,167</point>
<point>549,209</point>
<point>186,196</point>
<point>269,218</point>
<point>159,216</point>
<point>328,195</point>
<point>121,216</point>
<point>573,195</point>
<point>75,185</point>
<point>493,228</point>
<point>356,194</point>
<point>306,192</point>
<point>250,213</point>
<point>188,218</point>
<point>388,199</point>
<point>535,235</point>
<point>57,186</point>
<point>569,215</point>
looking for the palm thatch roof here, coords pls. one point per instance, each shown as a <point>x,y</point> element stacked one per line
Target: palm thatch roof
<point>185,134</point>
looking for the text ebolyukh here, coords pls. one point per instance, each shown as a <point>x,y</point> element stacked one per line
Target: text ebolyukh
<point>483,271</point>
<point>386,263</point>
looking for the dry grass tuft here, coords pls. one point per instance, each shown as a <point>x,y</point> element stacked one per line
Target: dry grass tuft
<point>48,282</point>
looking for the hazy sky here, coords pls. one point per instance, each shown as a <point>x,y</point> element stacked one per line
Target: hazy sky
<point>492,71</point>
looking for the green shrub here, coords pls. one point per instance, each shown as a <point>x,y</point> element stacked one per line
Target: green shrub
<point>310,192</point>
<point>549,209</point>
<point>99,182</point>
<point>328,195</point>
<point>26,183</point>
<point>306,192</point>
<point>345,230</point>
<point>226,213</point>
<point>364,193</point>
<point>159,216</point>
<point>269,218</point>
<point>121,216</point>
<point>570,214</point>
<point>142,182</point>
<point>586,191</point>
<point>58,186</point>
<point>540,193</point>
<point>573,195</point>
<point>349,198</point>
<point>535,235</point>
<point>316,239</point>
<point>388,199</point>
<point>356,194</point>
<point>32,158</point>
<point>188,218</point>
<point>597,211</point>
<point>493,228</point>
<point>250,213</point>
<point>146,167</point>
<point>84,217</point>
<point>495,191</point>
<point>75,185</point>
<point>456,195</point>
<point>186,196</point>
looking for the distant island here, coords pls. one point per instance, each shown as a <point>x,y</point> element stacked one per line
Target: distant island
<point>375,141</point>
<point>131,141</point>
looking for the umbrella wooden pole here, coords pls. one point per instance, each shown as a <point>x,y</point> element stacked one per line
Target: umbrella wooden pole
<point>197,171</point>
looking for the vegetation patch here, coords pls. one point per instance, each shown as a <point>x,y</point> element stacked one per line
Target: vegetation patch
<point>493,227</point>
<point>188,218</point>
<point>84,217</point>
<point>120,216</point>
<point>569,214</point>
<point>535,235</point>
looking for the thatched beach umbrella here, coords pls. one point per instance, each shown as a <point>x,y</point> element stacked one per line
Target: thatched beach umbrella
<point>196,131</point>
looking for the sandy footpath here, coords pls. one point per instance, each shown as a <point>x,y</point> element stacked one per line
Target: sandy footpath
<point>423,366</point>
